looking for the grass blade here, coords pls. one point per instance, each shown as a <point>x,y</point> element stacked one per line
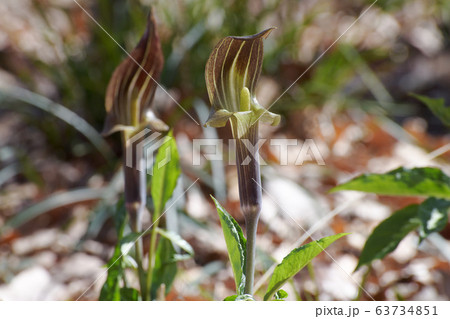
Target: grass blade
<point>61,112</point>
<point>437,106</point>
<point>52,202</point>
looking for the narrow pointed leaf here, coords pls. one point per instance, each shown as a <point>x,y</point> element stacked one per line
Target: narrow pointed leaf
<point>128,242</point>
<point>176,240</point>
<point>236,244</point>
<point>133,84</point>
<point>388,234</point>
<point>166,171</point>
<point>295,261</point>
<point>50,203</point>
<point>165,266</point>
<point>57,110</point>
<point>422,181</point>
<point>111,288</point>
<point>437,106</point>
<point>428,217</point>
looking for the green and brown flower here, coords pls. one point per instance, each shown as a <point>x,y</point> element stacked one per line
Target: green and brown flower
<point>232,73</point>
<point>132,87</point>
<point>128,101</point>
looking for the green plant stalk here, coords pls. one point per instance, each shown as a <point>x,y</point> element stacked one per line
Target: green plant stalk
<point>151,254</point>
<point>251,225</point>
<point>135,202</point>
<point>163,185</point>
<point>312,275</point>
<point>250,194</point>
<point>296,291</point>
<point>363,283</point>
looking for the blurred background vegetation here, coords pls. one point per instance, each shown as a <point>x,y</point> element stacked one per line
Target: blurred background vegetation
<point>60,179</point>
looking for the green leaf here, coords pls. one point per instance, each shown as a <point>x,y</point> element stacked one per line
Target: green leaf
<point>129,294</point>
<point>165,268</point>
<point>111,288</point>
<point>127,242</point>
<point>388,234</point>
<point>120,218</point>
<point>280,295</point>
<point>176,240</point>
<point>129,262</point>
<point>422,181</point>
<point>166,171</point>
<point>245,297</point>
<point>433,214</point>
<point>230,298</point>
<point>430,216</point>
<point>295,261</point>
<point>437,106</point>
<point>236,245</point>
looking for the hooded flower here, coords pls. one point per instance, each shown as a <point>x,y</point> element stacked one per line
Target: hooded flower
<point>128,98</point>
<point>232,72</point>
<point>132,86</point>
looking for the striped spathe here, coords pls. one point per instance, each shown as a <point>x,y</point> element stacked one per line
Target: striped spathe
<point>133,84</point>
